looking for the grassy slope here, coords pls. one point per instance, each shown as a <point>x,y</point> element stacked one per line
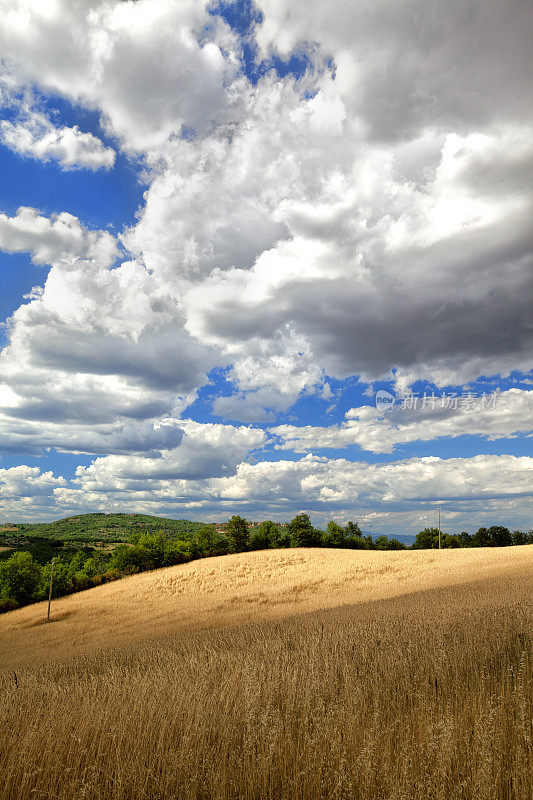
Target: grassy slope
<point>230,590</point>
<point>424,695</point>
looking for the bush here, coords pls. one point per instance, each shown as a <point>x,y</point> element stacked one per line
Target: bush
<point>176,552</point>
<point>81,581</point>
<point>134,558</point>
<point>111,575</point>
<point>7,604</point>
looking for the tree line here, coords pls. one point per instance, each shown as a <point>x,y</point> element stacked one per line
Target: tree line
<point>24,580</point>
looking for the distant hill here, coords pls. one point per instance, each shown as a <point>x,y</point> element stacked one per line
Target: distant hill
<point>404,538</point>
<point>102,527</point>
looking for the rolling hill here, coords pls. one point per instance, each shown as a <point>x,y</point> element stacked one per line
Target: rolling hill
<point>234,589</point>
<point>101,526</point>
<point>313,674</point>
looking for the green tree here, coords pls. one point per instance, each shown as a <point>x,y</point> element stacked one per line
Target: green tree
<point>75,565</point>
<point>89,567</point>
<point>302,533</point>
<point>335,536</point>
<point>394,544</point>
<point>465,539</point>
<point>176,552</point>
<point>63,579</point>
<point>259,538</point>
<point>133,558</point>
<point>427,539</point>
<point>381,543</point>
<point>519,537</point>
<point>500,536</point>
<point>154,544</point>
<point>20,578</point>
<point>353,530</point>
<point>495,536</point>
<point>481,538</point>
<point>238,534</point>
<point>450,540</point>
<point>270,533</point>
<point>283,537</point>
<point>210,543</point>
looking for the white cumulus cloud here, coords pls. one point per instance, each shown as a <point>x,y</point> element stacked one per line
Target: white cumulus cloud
<point>494,416</point>
<point>60,239</point>
<point>36,136</point>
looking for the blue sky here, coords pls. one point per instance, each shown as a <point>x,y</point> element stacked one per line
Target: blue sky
<point>222,233</point>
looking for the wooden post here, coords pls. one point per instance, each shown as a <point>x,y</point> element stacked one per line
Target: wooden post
<point>439,526</point>
<point>50,590</point>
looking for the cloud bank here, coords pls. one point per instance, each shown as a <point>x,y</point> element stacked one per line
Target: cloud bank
<point>366,218</point>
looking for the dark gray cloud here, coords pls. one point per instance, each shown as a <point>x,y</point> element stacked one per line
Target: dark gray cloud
<point>407,65</point>
<point>84,435</point>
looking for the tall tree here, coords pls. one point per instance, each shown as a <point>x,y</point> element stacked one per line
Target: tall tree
<point>238,534</point>
<point>352,529</point>
<point>302,532</point>
<point>335,536</point>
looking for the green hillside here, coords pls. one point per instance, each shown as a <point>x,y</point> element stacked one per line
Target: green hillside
<point>100,527</point>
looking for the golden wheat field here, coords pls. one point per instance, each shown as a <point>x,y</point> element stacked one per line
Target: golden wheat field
<point>233,589</point>
<point>306,674</point>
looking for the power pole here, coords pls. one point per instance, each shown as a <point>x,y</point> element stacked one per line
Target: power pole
<point>439,527</point>
<point>50,590</point>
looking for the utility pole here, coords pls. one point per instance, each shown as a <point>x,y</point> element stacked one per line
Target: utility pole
<point>439,527</point>
<point>50,590</point>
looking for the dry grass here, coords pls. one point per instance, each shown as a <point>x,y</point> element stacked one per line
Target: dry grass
<point>422,695</point>
<point>230,590</point>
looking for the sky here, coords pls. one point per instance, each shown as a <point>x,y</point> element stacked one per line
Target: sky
<point>267,257</point>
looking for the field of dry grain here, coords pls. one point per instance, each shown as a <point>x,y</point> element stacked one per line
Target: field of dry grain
<point>230,590</point>
<point>307,674</point>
